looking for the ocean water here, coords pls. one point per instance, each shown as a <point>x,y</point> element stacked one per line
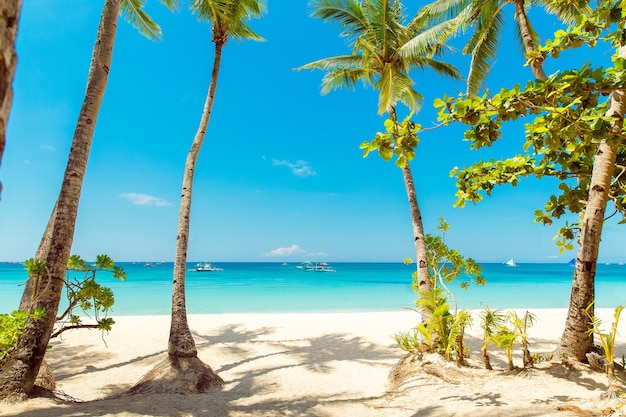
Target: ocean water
<point>279,288</point>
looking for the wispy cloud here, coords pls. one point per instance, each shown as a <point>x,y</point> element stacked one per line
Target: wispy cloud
<point>291,250</point>
<point>145,200</point>
<point>299,168</point>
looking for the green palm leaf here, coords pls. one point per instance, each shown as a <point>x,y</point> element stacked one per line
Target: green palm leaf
<point>132,10</point>
<point>347,14</point>
<point>484,46</point>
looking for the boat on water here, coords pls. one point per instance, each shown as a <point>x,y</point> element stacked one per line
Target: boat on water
<point>207,267</point>
<point>510,262</point>
<point>304,265</point>
<point>317,267</point>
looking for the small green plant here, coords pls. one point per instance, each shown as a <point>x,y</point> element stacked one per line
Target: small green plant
<point>11,328</point>
<point>408,341</point>
<point>520,326</point>
<point>607,341</point>
<point>504,338</point>
<point>443,330</point>
<point>490,321</point>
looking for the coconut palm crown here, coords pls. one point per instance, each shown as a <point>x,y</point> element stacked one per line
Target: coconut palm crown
<point>386,46</point>
<point>228,17</point>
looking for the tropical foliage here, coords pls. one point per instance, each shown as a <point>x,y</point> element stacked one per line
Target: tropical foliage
<point>573,136</point>
<point>442,331</point>
<point>82,291</point>
<point>607,343</point>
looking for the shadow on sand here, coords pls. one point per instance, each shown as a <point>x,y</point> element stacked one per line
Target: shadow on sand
<point>245,393</point>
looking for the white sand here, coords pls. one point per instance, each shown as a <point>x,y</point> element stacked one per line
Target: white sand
<point>306,365</point>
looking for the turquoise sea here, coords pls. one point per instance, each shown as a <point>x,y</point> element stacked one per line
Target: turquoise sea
<point>278,288</point>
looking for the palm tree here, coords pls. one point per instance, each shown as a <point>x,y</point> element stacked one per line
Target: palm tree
<point>18,375</point>
<point>9,18</point>
<point>385,48</point>
<point>486,18</point>
<point>182,371</point>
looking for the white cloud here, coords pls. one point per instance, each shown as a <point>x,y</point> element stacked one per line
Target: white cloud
<point>299,168</point>
<point>145,200</point>
<point>291,250</point>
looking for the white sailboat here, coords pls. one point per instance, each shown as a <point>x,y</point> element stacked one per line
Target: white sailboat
<point>510,262</point>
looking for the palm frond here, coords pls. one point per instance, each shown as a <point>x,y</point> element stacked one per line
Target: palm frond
<point>335,63</point>
<point>346,78</point>
<point>441,68</point>
<point>347,14</point>
<point>171,4</point>
<point>438,11</point>
<point>132,10</point>
<point>567,11</point>
<point>386,23</point>
<point>483,46</point>
<point>423,43</point>
<point>393,86</point>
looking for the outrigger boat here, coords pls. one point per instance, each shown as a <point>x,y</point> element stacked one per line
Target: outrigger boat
<point>207,267</point>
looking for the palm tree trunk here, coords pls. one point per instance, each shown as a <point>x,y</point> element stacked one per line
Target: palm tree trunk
<point>576,340</point>
<point>529,45</point>
<point>182,372</point>
<point>181,341</point>
<point>423,275</point>
<point>42,251</point>
<point>9,18</point>
<point>18,375</point>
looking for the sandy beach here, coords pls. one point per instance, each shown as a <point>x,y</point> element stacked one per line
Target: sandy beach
<point>334,364</point>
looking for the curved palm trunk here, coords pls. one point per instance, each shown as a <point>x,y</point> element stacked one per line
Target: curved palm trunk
<point>576,340</point>
<point>9,17</point>
<point>42,251</point>
<point>529,45</point>
<point>182,371</point>
<point>423,275</point>
<point>18,375</point>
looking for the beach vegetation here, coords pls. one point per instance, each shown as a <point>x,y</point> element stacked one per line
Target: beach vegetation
<point>11,328</point>
<point>82,291</point>
<point>509,330</point>
<point>607,343</point>
<point>386,44</point>
<point>17,377</point>
<point>443,330</point>
<point>521,326</point>
<point>490,322</point>
<point>182,371</point>
<point>90,296</point>
<point>571,134</point>
<point>504,338</point>
<point>442,333</point>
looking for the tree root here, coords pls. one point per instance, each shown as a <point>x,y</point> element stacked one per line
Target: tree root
<point>178,375</point>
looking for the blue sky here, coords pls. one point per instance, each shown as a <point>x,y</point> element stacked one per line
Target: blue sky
<point>280,176</point>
